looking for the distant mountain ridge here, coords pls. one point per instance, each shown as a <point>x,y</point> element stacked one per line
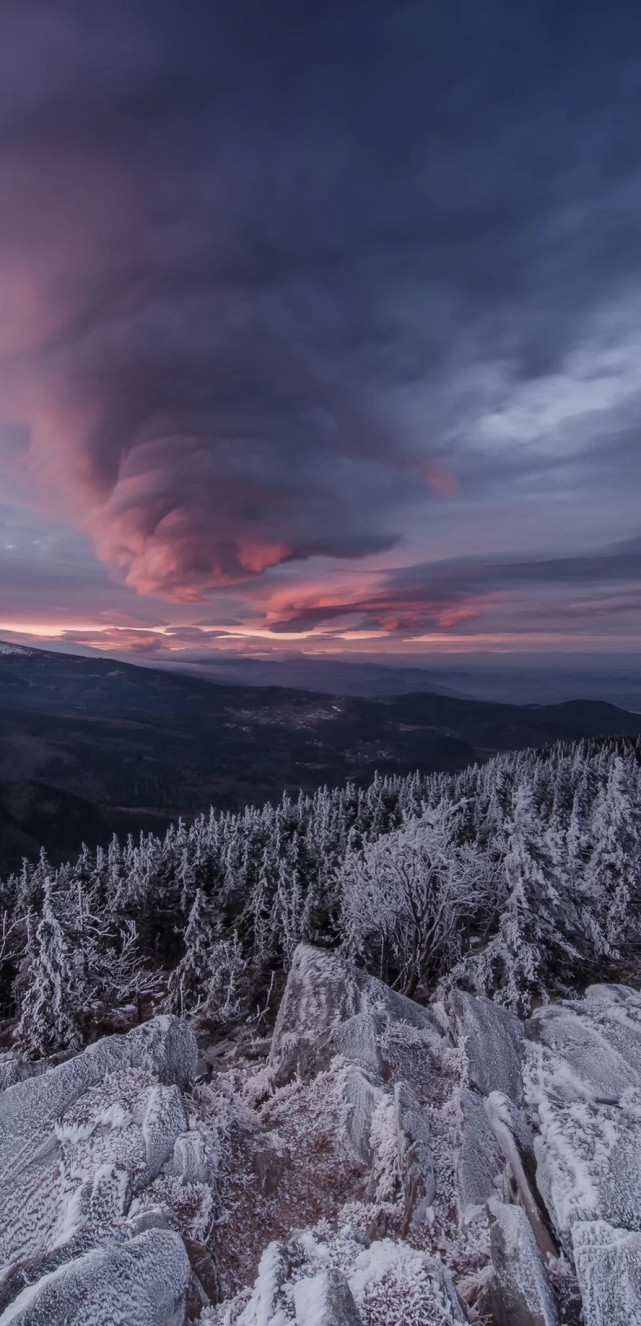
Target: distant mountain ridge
<point>142,746</point>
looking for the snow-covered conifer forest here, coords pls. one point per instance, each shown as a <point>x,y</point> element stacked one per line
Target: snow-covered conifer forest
<point>368,1056</point>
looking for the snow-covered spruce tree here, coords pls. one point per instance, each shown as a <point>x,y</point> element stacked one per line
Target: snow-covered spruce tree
<point>534,949</point>
<point>189,983</point>
<point>227,993</point>
<point>613,872</point>
<point>51,1006</point>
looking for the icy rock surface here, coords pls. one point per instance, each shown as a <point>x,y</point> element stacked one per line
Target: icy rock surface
<point>142,1282</point>
<point>28,1110</point>
<point>325,1300</point>
<point>341,1284</point>
<point>582,1079</point>
<point>608,1265</point>
<point>480,1162</point>
<point>164,1120</point>
<point>82,1146</point>
<point>323,992</point>
<point>491,1036</point>
<point>361,1098</point>
<point>358,1041</point>
<point>524,1289</point>
<point>415,1156</point>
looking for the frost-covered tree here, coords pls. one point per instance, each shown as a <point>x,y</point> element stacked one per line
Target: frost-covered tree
<point>613,871</point>
<point>228,988</point>
<point>408,897</point>
<point>50,1005</point>
<point>189,983</point>
<point>510,877</point>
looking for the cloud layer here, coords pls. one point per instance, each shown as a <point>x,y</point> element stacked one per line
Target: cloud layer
<point>290,288</point>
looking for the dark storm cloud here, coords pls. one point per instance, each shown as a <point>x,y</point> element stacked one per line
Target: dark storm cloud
<point>233,238</point>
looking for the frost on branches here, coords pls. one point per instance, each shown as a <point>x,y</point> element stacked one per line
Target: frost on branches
<point>513,879</point>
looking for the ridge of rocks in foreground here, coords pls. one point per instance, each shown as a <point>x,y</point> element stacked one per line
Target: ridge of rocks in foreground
<point>384,1163</point>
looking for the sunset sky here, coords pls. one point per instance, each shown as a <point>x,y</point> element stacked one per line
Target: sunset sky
<point>320,326</point>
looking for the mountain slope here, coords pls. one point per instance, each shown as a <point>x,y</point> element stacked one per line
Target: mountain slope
<point>151,745</point>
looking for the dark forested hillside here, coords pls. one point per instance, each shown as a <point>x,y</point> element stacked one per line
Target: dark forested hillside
<point>144,746</point>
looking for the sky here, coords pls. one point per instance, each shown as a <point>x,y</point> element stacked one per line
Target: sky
<point>320,327</point>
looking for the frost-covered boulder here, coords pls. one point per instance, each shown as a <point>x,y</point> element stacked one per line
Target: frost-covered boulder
<point>361,1098</point>
<point>322,993</point>
<point>165,1047</point>
<point>306,1283</point>
<point>357,1040</point>
<point>582,1080</point>
<point>393,1282</point>
<point>596,1042</point>
<point>124,1127</point>
<point>84,1146</point>
<point>479,1163</point>
<point>416,1165</point>
<point>164,1120</point>
<point>143,1282</point>
<point>269,1304</point>
<point>190,1161</point>
<point>516,1142</point>
<point>525,1295</point>
<point>608,1267</point>
<point>325,1300</point>
<point>491,1037</point>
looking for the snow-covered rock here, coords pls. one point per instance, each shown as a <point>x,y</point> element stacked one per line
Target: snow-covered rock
<point>608,1266</point>
<point>190,1161</point>
<point>516,1141</point>
<point>325,1300</point>
<point>491,1037</point>
<point>582,1079</point>
<point>28,1110</point>
<point>143,1282</point>
<point>267,1305</point>
<point>164,1120</point>
<point>322,993</point>
<point>524,1290</point>
<point>340,1283</point>
<point>81,1146</point>
<point>416,1165</point>
<point>361,1098</point>
<point>396,1283</point>
<point>479,1160</point>
<point>357,1040</point>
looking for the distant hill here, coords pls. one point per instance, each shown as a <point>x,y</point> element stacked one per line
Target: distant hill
<point>136,747</point>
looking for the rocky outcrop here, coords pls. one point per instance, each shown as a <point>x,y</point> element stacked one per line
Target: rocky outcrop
<point>479,1160</point>
<point>325,1300</point>
<point>80,1145</point>
<point>608,1265</point>
<point>164,1047</point>
<point>452,1130</point>
<point>328,1008</point>
<point>415,1161</point>
<point>491,1038</point>
<point>488,1037</point>
<point>524,1292</point>
<point>297,1285</point>
<point>582,1077</point>
<point>144,1281</point>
